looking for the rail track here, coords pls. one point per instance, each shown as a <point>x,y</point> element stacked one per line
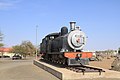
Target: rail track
<point>84,69</point>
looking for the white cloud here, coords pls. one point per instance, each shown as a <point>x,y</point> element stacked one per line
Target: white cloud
<point>8,3</point>
<point>4,5</point>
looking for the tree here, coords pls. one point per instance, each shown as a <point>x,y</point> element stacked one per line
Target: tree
<point>17,49</point>
<point>1,44</point>
<point>25,48</point>
<point>1,36</point>
<point>1,39</point>
<point>29,47</point>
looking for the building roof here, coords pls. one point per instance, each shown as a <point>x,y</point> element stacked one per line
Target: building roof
<point>5,49</point>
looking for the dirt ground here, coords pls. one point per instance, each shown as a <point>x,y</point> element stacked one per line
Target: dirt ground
<point>105,63</point>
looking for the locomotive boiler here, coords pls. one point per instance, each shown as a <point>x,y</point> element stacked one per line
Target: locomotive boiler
<point>65,47</point>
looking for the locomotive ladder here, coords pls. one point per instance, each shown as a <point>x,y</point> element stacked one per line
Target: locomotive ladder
<point>84,69</point>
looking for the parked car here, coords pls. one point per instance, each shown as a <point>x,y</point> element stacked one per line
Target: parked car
<point>16,57</point>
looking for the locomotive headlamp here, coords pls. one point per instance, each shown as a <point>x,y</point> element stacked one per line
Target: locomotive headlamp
<point>79,55</point>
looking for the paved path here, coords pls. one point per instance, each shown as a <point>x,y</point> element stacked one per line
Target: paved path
<point>22,70</point>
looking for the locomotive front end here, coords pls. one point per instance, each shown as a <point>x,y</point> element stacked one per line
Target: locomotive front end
<point>76,41</point>
<point>76,38</point>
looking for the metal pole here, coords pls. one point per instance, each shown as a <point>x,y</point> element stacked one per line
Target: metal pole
<point>36,41</point>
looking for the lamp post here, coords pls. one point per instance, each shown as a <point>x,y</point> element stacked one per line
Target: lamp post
<point>36,42</point>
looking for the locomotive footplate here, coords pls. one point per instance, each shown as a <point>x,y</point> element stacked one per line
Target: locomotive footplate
<point>80,61</point>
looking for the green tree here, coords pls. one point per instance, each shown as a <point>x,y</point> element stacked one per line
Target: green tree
<point>1,39</point>
<point>1,44</point>
<point>29,47</point>
<point>17,49</point>
<point>25,48</point>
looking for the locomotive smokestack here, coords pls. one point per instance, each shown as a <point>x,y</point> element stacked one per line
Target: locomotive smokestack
<point>72,26</point>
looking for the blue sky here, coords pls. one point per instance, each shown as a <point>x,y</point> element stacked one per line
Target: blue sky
<point>99,19</point>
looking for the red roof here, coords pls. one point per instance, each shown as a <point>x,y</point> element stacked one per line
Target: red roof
<point>5,49</point>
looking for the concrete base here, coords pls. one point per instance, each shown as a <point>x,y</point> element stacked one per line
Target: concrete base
<point>65,74</point>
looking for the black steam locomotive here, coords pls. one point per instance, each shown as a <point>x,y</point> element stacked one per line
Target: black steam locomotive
<point>65,47</point>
